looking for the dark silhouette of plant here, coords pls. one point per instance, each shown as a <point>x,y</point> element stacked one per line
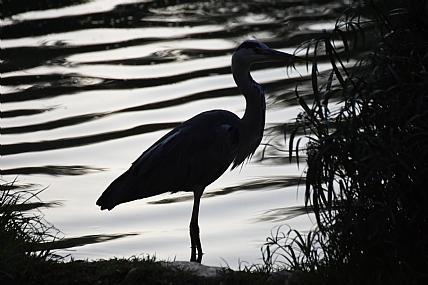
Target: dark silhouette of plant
<point>367,157</point>
<point>25,236</point>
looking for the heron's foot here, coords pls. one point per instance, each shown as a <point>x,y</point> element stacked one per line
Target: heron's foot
<point>196,254</point>
<point>196,257</point>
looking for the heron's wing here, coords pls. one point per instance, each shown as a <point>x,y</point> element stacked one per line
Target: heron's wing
<point>193,154</point>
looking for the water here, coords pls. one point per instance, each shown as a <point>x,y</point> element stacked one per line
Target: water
<point>87,87</point>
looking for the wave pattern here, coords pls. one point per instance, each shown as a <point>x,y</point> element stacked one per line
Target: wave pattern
<point>38,62</point>
<point>87,85</point>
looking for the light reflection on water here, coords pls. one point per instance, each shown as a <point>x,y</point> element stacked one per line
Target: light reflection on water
<point>76,104</point>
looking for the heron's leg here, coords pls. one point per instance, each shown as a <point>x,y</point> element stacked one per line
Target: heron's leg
<point>194,228</point>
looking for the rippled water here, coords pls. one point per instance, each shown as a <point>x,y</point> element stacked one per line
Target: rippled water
<point>87,87</point>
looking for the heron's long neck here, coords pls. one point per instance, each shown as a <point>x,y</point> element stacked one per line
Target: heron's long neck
<point>255,110</point>
<point>253,121</point>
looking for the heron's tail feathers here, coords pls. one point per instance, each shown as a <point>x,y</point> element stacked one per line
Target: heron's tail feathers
<point>121,190</point>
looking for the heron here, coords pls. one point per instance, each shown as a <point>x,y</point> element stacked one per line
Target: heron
<point>198,151</point>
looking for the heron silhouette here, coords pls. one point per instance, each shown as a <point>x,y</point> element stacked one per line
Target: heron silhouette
<point>198,151</point>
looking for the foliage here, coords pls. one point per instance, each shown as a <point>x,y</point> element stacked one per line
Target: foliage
<point>367,156</point>
<point>21,234</point>
<point>134,270</point>
<point>295,251</point>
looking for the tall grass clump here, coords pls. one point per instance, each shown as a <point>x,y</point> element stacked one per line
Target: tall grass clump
<point>367,155</point>
<point>24,234</point>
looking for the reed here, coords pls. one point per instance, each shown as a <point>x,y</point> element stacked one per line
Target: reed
<point>367,161</point>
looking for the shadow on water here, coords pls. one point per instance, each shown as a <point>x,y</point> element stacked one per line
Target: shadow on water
<point>266,184</point>
<point>11,8</point>
<point>55,170</point>
<point>67,243</point>
<point>282,214</point>
<point>36,69</point>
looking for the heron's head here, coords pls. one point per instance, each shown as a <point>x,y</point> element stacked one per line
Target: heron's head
<point>252,51</point>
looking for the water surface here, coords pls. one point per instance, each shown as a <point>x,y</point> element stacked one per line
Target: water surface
<point>88,86</point>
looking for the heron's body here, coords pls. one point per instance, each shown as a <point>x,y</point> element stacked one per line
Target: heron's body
<point>195,153</point>
<point>200,150</point>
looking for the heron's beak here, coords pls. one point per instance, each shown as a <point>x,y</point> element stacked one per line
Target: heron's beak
<point>275,55</point>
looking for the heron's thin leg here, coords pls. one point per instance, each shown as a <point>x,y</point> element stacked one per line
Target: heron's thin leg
<point>194,229</point>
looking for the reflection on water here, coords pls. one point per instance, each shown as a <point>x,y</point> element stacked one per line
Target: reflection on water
<point>88,85</point>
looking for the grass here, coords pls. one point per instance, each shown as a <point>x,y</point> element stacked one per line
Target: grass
<point>145,270</point>
<point>21,233</point>
<point>134,270</point>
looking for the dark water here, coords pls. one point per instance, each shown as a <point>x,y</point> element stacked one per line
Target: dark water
<point>88,85</point>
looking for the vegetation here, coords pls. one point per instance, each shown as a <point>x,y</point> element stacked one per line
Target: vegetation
<point>134,270</point>
<point>367,155</point>
<point>21,234</point>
